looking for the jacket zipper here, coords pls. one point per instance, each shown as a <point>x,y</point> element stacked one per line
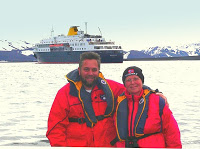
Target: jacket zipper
<point>131,131</point>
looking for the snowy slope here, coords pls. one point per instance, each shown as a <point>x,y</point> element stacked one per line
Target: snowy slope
<point>6,45</point>
<point>176,51</point>
<point>20,51</point>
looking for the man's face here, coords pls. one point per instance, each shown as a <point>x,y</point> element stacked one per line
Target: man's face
<point>89,73</point>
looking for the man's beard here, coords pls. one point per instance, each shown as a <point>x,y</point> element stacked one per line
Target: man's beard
<point>87,84</point>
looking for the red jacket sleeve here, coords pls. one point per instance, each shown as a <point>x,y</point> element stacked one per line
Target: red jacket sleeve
<point>170,129</point>
<point>116,87</point>
<point>58,120</point>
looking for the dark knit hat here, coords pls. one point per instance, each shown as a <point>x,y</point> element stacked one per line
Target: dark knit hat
<point>133,70</point>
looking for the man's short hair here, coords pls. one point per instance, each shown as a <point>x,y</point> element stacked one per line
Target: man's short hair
<point>89,55</point>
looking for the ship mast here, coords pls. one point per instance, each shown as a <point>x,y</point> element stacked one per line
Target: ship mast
<point>85,27</point>
<point>52,32</point>
<point>52,35</point>
<point>100,31</point>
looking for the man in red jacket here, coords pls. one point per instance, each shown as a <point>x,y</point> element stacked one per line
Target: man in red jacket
<point>81,114</point>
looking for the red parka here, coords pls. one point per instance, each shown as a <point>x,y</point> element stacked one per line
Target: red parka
<point>66,105</point>
<point>170,135</point>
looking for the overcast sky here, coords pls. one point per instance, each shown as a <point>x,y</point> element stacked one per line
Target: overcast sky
<point>134,24</point>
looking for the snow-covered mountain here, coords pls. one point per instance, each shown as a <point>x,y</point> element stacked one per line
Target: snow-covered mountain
<point>16,51</point>
<point>166,51</point>
<point>14,45</point>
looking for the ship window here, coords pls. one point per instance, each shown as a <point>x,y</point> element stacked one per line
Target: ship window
<point>108,51</point>
<point>97,47</point>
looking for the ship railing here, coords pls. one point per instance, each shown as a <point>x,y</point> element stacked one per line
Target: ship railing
<point>107,47</point>
<point>92,36</point>
<point>100,43</point>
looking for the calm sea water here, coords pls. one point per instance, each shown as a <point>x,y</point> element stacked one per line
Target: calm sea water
<point>27,91</point>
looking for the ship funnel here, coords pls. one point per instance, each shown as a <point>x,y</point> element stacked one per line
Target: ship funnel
<point>73,31</point>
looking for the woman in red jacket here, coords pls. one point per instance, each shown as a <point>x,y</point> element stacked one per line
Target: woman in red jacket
<point>142,117</point>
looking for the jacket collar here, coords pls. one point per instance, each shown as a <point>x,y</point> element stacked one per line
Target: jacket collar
<point>130,97</point>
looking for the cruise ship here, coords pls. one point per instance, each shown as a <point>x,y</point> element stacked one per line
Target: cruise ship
<point>67,48</point>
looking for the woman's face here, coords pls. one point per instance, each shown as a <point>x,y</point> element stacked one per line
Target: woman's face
<point>133,84</point>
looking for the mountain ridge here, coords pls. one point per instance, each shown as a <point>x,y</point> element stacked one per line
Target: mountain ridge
<point>22,51</point>
<point>165,52</point>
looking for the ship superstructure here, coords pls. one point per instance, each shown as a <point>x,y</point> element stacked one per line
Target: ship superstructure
<point>67,49</point>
